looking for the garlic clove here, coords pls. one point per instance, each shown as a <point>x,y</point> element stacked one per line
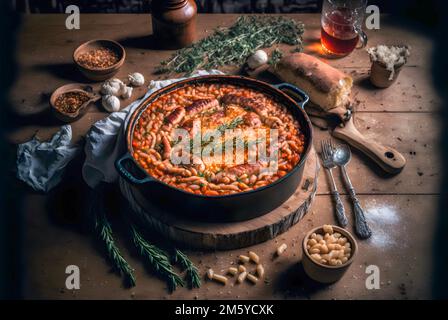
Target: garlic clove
<point>122,90</point>
<point>258,59</point>
<point>111,103</point>
<point>127,93</point>
<point>136,79</point>
<point>112,87</point>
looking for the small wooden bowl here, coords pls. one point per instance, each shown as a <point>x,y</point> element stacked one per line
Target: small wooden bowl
<point>321,272</point>
<point>100,74</point>
<point>73,87</point>
<point>379,75</point>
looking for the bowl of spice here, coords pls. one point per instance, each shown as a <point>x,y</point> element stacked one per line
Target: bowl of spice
<point>70,101</point>
<point>99,60</point>
<point>328,252</point>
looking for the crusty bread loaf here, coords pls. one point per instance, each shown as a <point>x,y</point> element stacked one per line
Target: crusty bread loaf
<point>327,87</point>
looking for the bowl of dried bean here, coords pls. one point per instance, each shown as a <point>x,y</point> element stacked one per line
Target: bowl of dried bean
<point>99,60</point>
<point>328,252</point>
<point>70,101</point>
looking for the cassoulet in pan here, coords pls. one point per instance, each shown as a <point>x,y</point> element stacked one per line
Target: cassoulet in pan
<point>217,139</point>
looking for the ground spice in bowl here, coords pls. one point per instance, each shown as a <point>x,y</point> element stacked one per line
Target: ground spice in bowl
<point>101,58</point>
<point>70,102</point>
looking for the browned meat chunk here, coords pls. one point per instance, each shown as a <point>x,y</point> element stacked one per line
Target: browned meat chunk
<point>249,103</point>
<point>175,116</point>
<point>252,120</point>
<point>201,105</point>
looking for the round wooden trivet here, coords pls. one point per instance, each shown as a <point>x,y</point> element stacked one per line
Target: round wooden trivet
<point>233,235</point>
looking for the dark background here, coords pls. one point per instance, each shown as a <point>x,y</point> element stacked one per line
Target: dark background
<point>427,17</point>
<point>204,6</point>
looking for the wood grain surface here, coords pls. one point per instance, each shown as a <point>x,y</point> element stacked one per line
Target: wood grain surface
<point>401,209</point>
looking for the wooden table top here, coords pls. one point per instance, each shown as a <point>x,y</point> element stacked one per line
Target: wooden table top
<point>401,208</point>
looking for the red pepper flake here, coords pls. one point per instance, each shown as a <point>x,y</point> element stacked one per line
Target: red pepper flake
<point>70,102</point>
<point>101,58</point>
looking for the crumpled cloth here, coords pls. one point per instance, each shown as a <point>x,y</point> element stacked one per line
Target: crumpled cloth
<point>41,164</point>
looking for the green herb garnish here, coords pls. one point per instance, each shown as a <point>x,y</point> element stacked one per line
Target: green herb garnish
<point>157,259</point>
<point>104,230</point>
<point>232,46</point>
<point>193,278</point>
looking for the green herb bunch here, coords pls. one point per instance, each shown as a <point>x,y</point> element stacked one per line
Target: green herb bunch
<point>105,234</point>
<point>193,278</point>
<point>232,46</point>
<point>157,259</point>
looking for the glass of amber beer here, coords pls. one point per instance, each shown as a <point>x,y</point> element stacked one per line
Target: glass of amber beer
<point>341,26</point>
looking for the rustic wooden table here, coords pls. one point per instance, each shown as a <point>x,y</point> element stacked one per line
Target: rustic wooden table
<point>401,209</point>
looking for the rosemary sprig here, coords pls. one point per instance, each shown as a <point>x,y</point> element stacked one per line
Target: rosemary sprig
<point>157,260</point>
<point>232,46</point>
<point>104,231</point>
<point>206,139</point>
<point>192,276</point>
<point>231,125</point>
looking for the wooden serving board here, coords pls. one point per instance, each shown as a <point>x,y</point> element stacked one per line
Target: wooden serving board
<point>232,235</point>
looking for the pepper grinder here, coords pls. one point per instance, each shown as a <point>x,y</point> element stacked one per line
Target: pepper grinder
<point>174,23</point>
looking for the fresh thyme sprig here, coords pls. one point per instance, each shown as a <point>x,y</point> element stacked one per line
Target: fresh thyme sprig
<point>157,260</point>
<point>192,276</point>
<point>232,46</point>
<point>104,231</point>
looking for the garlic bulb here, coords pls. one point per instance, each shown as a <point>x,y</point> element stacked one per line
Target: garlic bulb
<point>112,87</point>
<point>127,92</point>
<point>136,79</point>
<point>110,103</point>
<point>258,59</point>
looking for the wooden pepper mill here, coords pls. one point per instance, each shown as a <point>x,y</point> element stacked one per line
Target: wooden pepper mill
<point>174,22</point>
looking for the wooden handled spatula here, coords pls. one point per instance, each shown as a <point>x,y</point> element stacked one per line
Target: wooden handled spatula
<point>389,159</point>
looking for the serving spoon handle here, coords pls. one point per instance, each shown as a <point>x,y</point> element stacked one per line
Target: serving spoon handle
<point>361,227</point>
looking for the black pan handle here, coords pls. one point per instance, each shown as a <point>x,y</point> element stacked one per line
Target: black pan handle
<point>304,98</point>
<point>119,165</point>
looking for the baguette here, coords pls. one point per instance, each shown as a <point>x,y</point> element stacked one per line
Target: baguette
<point>327,87</point>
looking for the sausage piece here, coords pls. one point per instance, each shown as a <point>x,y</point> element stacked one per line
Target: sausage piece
<point>250,103</point>
<point>201,105</point>
<point>175,116</point>
<point>252,120</point>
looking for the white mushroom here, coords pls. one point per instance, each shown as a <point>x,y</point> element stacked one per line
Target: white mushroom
<point>258,59</point>
<point>136,79</point>
<point>110,103</point>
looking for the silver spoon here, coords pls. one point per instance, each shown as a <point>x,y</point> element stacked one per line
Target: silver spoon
<point>341,157</point>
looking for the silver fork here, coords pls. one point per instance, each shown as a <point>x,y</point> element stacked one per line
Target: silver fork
<point>327,159</point>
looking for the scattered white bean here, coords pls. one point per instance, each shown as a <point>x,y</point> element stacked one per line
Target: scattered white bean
<point>254,257</point>
<point>232,270</point>
<point>220,278</point>
<point>260,271</point>
<point>252,278</point>
<point>241,268</point>
<point>210,273</point>
<point>242,276</point>
<point>281,249</point>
